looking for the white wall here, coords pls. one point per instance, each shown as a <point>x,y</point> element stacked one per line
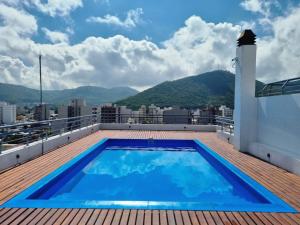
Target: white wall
<point>278,131</point>
<point>21,154</point>
<point>244,101</point>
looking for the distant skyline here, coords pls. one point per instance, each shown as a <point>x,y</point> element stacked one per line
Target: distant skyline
<point>141,43</point>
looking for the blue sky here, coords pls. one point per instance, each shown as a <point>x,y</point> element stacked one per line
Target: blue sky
<point>142,43</point>
<point>160,19</point>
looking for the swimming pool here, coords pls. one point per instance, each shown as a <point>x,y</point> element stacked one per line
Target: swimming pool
<point>149,174</point>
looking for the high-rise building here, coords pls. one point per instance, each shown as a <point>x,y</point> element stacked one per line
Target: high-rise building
<point>142,114</point>
<point>41,112</point>
<point>76,108</point>
<point>155,114</point>
<point>108,113</point>
<point>123,114</point>
<point>225,111</point>
<point>7,113</point>
<point>177,116</point>
<point>79,108</point>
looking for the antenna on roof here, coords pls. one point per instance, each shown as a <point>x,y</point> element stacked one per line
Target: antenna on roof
<point>41,89</point>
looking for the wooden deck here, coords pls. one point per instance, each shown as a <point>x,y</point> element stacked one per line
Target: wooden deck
<point>282,183</point>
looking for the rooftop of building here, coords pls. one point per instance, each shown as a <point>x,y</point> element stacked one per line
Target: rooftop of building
<point>284,184</point>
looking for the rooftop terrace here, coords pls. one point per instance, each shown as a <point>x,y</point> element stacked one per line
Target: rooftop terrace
<point>284,184</point>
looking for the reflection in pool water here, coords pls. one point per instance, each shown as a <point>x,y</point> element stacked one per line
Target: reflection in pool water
<point>125,175</point>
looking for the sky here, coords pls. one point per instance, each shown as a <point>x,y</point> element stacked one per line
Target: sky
<point>139,44</point>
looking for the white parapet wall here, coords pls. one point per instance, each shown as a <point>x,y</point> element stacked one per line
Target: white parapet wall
<point>158,127</point>
<point>278,131</point>
<point>21,154</point>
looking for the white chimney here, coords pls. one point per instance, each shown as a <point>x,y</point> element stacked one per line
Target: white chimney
<point>245,102</point>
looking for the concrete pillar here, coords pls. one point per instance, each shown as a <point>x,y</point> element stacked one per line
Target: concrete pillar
<point>245,102</point>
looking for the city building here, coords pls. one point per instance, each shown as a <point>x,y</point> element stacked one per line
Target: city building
<point>76,108</point>
<point>142,114</point>
<point>225,111</point>
<point>41,112</point>
<point>108,113</point>
<point>123,114</point>
<point>155,114</point>
<point>135,117</point>
<point>7,113</point>
<point>177,116</point>
<point>207,115</point>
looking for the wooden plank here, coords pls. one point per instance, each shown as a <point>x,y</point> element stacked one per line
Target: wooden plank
<point>30,217</point>
<point>22,216</point>
<point>186,218</point>
<point>48,216</point>
<point>247,218</point>
<point>7,215</point>
<point>155,217</point>
<point>39,216</point>
<point>61,217</point>
<point>178,217</point>
<point>117,217</point>
<point>92,220</point>
<point>171,217</point>
<point>257,219</point>
<point>70,217</point>
<point>125,217</point>
<point>163,220</point>
<point>193,217</point>
<point>132,217</point>
<point>14,216</point>
<point>86,216</point>
<point>55,217</point>
<point>140,217</point>
<point>148,217</point>
<point>284,219</point>
<point>78,217</point>
<point>109,218</point>
<point>201,218</point>
<point>239,218</point>
<point>208,217</point>
<point>216,217</point>
<point>101,217</point>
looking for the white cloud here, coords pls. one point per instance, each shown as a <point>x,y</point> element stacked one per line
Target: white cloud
<point>55,36</point>
<point>260,6</point>
<point>200,46</point>
<point>197,47</point>
<point>132,19</point>
<point>17,21</point>
<point>56,7</point>
<point>50,7</point>
<point>279,55</point>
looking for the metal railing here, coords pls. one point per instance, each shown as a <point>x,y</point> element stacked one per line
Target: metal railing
<point>25,133</point>
<point>226,124</point>
<point>290,86</point>
<point>157,119</point>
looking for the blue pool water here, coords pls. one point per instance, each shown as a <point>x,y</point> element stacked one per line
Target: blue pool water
<point>155,174</point>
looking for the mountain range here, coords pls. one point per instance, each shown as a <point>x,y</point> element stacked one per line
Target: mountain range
<point>211,88</point>
<point>17,94</point>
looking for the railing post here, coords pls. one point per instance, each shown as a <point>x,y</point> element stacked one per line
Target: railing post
<point>27,138</point>
<point>1,145</point>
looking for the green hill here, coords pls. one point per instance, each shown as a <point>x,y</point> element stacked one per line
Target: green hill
<point>215,88</point>
<point>18,94</point>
